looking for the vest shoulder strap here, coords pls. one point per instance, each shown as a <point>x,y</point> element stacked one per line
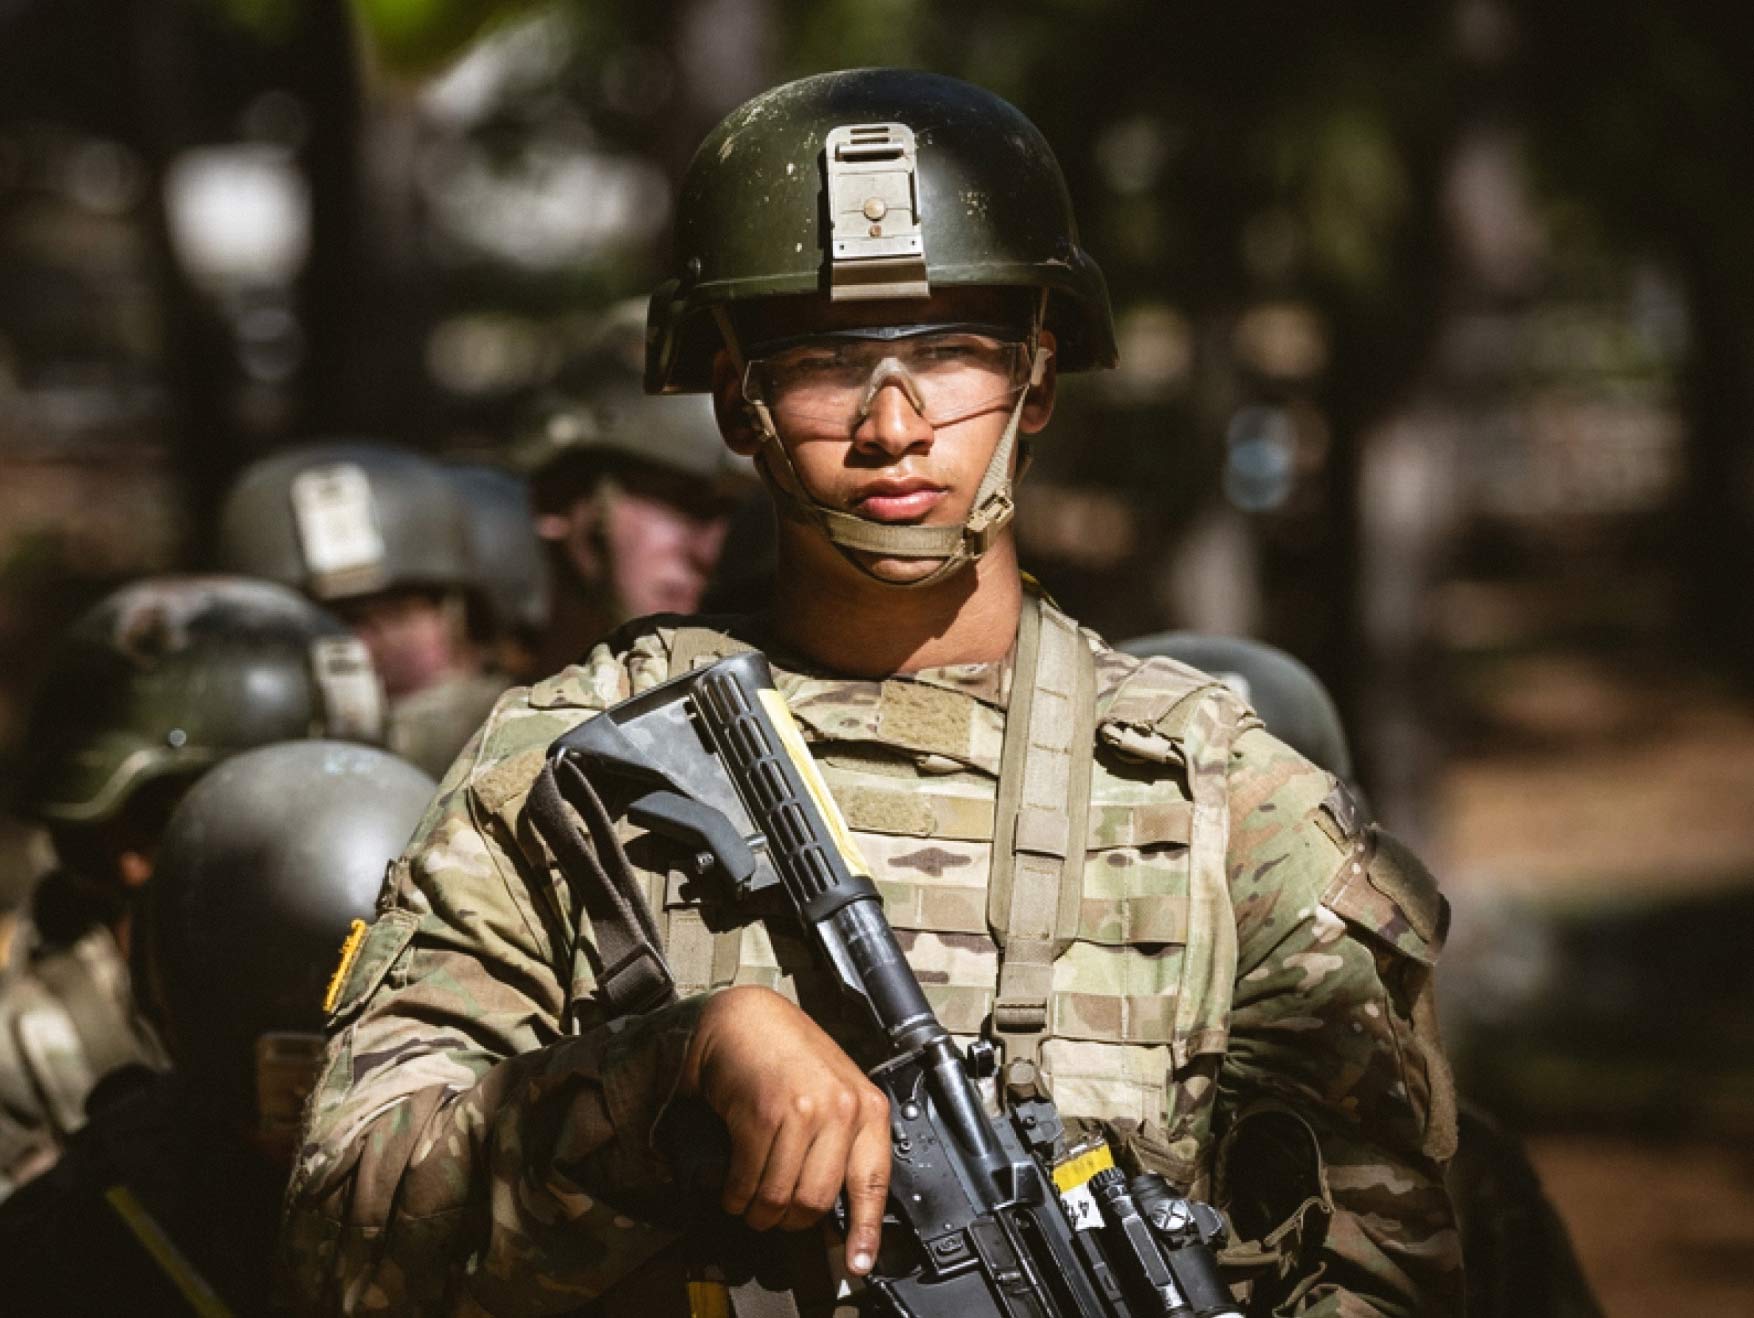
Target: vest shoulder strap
<point>1040,822</point>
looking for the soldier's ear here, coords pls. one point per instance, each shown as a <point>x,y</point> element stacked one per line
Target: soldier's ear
<point>1038,407</point>
<point>735,417</point>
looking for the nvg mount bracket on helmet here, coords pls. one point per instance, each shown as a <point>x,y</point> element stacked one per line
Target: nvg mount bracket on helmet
<point>877,248</point>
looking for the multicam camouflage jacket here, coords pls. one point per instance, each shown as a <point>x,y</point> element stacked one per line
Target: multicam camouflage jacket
<point>483,1138</point>
<point>67,1019</point>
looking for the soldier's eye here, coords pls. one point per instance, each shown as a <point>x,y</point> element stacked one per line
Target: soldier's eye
<point>965,349</point>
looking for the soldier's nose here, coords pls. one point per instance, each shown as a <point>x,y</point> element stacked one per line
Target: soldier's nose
<point>892,424</point>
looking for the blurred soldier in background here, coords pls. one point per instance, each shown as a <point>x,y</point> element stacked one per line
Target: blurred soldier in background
<point>381,536</point>
<point>153,686</point>
<point>512,569</point>
<point>1515,1248</point>
<point>169,1200</point>
<point>632,494</point>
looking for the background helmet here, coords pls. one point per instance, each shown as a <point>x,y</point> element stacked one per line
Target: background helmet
<point>172,674</point>
<point>512,572</point>
<point>1290,699</point>
<point>262,870</point>
<point>600,415</point>
<point>943,185</point>
<point>340,520</point>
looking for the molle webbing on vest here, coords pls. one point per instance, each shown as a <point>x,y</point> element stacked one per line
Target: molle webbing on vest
<point>1170,713</point>
<point>1040,820</point>
<point>901,812</point>
<point>1160,918</point>
<point>1202,1021</point>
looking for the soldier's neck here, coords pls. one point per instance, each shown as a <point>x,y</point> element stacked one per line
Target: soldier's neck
<point>843,621</point>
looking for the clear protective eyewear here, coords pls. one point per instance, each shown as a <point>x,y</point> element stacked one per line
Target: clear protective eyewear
<point>948,372</point>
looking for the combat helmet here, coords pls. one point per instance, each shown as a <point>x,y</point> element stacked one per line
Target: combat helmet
<point>599,415</point>
<point>511,570</point>
<point>169,675</point>
<point>345,519</point>
<point>872,184</point>
<point>1291,700</point>
<point>264,868</point>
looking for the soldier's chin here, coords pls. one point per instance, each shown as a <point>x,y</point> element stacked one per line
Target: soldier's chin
<point>898,571</point>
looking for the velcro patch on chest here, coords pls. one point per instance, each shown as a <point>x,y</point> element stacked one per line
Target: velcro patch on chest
<point>927,719</point>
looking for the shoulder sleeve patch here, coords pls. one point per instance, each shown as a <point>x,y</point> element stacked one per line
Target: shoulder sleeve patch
<point>1403,878</point>
<point>1385,890</point>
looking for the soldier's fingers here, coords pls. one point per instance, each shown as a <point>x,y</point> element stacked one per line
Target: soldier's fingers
<point>772,1199</point>
<point>819,1180</point>
<point>867,1186</point>
<point>750,1143</point>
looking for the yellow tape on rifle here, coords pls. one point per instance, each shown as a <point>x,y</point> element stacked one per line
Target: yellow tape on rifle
<point>793,742</point>
<point>1075,1171</point>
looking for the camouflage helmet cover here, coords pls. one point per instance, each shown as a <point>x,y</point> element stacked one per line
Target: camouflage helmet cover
<point>263,867</point>
<point>172,674</point>
<point>344,519</point>
<point>872,183</point>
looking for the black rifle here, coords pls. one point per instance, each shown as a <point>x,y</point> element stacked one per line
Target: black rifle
<point>986,1215</point>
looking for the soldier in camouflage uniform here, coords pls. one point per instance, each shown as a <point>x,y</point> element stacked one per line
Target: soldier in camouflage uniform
<point>381,536</point>
<point>157,683</point>
<point>631,494</point>
<point>168,1201</point>
<point>1230,976</point>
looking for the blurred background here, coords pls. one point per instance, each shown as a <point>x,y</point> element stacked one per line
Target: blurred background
<point>1437,336</point>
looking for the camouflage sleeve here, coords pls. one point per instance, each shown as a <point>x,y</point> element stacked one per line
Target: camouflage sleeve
<point>1334,1060</point>
<point>468,1143</point>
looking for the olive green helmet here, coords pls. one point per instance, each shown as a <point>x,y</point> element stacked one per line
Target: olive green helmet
<point>172,674</point>
<point>876,185</point>
<point>600,414</point>
<point>1291,700</point>
<point>263,868</point>
<point>502,538</point>
<point>345,519</point>
<point>872,183</point>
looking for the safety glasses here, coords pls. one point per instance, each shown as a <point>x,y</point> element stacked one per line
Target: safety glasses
<point>948,372</point>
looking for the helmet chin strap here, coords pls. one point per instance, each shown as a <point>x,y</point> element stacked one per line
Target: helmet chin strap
<point>954,546</point>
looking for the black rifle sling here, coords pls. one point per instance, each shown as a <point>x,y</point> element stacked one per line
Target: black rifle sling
<point>630,970</point>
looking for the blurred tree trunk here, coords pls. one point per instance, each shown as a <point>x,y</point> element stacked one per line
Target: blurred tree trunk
<point>336,287</point>
<point>1717,508</point>
<point>198,351</point>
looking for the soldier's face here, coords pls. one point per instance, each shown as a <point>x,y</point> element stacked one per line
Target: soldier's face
<point>890,464</point>
<point>647,538</point>
<point>413,637</point>
<point>660,549</point>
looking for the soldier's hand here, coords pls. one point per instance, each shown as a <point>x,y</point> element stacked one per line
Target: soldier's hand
<point>804,1120</point>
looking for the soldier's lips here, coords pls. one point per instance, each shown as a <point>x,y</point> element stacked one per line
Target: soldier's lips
<point>898,501</point>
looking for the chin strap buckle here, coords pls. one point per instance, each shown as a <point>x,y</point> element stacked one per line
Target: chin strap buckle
<point>985,523</point>
<point>876,246</point>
